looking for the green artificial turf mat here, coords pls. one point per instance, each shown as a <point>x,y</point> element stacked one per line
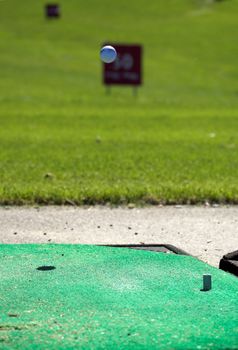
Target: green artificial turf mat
<point>112,298</point>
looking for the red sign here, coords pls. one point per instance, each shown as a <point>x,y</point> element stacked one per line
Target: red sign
<point>52,11</point>
<point>127,68</point>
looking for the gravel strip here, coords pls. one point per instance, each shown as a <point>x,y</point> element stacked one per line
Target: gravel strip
<point>204,232</point>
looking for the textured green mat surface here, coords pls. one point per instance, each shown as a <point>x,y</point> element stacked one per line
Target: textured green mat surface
<point>112,298</point>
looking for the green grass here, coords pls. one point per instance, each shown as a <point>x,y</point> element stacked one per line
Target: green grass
<point>176,142</point>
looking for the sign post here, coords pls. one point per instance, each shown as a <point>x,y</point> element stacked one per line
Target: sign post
<point>127,68</point>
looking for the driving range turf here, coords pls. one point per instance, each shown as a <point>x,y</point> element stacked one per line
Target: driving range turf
<point>64,140</point>
<point>112,298</point>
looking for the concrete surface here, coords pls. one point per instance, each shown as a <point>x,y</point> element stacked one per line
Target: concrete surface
<point>204,232</point>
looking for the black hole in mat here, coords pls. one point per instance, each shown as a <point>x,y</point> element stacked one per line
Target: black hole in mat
<point>45,268</point>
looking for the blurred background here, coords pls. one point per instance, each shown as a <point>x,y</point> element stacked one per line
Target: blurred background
<point>65,140</point>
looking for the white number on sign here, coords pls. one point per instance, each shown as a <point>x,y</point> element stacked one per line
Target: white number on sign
<point>125,61</point>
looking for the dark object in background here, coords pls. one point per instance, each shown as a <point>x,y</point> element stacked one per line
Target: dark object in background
<point>229,263</point>
<point>52,11</point>
<point>127,68</point>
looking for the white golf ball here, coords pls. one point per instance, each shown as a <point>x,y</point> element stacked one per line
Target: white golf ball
<point>108,54</point>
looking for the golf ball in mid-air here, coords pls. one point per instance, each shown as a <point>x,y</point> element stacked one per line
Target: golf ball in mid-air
<point>108,54</point>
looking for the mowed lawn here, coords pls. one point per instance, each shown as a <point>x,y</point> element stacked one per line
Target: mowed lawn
<point>64,140</point>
